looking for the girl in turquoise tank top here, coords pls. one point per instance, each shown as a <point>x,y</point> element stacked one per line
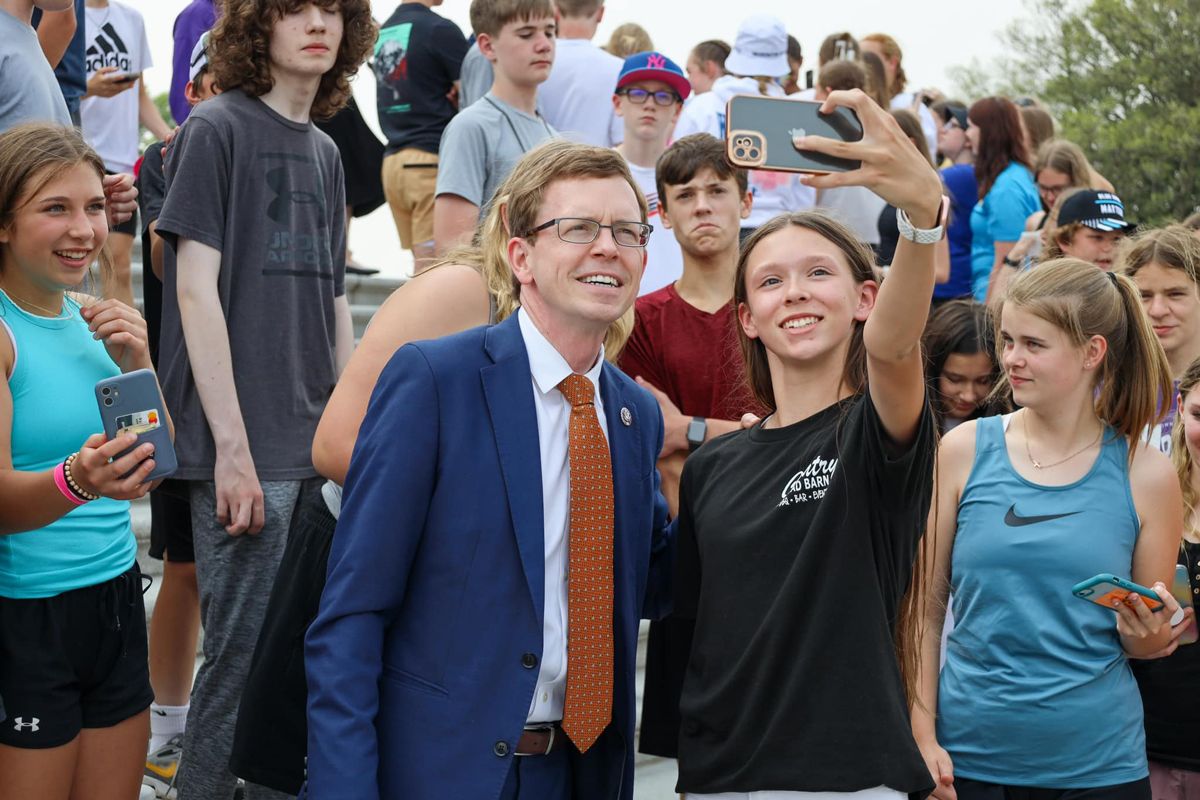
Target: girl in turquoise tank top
<point>74,685</point>
<point>1036,694</point>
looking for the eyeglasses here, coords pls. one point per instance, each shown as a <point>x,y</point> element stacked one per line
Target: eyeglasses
<point>575,230</point>
<point>952,125</point>
<point>638,96</point>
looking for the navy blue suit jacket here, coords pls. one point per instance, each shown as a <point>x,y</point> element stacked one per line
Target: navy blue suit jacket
<point>422,662</point>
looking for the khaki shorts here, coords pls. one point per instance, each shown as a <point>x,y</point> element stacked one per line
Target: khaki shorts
<point>409,184</point>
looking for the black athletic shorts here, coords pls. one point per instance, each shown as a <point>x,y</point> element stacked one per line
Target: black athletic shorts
<point>969,789</point>
<point>271,737</point>
<point>76,660</point>
<point>171,523</point>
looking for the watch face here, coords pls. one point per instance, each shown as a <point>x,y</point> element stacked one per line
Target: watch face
<point>696,430</point>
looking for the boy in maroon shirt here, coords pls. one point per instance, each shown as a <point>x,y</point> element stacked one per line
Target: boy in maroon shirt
<point>684,349</point>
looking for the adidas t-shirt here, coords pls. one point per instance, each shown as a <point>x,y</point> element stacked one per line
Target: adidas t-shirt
<point>116,37</point>
<point>664,259</point>
<point>796,546</point>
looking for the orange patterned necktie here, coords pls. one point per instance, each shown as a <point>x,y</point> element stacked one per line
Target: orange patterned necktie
<point>588,706</point>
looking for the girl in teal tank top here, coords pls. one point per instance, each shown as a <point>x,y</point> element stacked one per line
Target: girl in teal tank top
<point>72,623</point>
<point>1036,691</point>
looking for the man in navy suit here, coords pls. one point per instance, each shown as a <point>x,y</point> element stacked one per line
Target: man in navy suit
<point>438,666</point>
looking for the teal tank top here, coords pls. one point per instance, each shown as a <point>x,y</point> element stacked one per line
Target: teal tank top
<point>54,412</point>
<point>1036,690</point>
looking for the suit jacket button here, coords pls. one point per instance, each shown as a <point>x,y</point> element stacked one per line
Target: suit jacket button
<point>529,661</point>
<point>500,748</point>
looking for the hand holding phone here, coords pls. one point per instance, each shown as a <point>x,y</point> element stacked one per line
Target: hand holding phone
<point>126,78</point>
<point>1110,591</point>
<point>760,131</point>
<point>132,404</point>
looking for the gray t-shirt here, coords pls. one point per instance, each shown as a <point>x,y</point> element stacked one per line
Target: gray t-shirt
<point>481,145</point>
<point>476,77</point>
<point>269,194</point>
<point>28,89</point>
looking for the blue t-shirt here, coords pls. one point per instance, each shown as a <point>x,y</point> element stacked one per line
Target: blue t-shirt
<point>1000,217</point>
<point>964,193</point>
<point>54,410</point>
<point>1036,690</point>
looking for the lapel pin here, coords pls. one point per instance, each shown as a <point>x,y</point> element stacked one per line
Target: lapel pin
<point>626,417</point>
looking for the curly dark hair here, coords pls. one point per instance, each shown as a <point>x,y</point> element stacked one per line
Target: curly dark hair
<point>239,50</point>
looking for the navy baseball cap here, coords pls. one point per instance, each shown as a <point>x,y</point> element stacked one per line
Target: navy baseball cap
<point>652,66</point>
<point>1101,211</point>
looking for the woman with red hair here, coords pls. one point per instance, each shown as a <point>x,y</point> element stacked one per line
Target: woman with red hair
<point>1007,193</point>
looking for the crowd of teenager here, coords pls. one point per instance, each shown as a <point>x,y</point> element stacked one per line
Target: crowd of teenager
<point>848,439</point>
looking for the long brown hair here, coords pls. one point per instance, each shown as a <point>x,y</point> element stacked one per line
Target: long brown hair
<point>32,155</point>
<point>862,268</point>
<point>240,45</point>
<point>1083,302</point>
<point>1001,140</point>
<point>1181,457</point>
<point>909,624</point>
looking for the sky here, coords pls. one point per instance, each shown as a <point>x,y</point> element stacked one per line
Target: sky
<point>932,34</point>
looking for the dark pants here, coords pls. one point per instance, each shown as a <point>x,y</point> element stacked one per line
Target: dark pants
<point>968,789</point>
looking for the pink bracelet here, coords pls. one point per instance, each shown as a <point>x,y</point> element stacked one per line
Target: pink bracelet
<point>60,480</point>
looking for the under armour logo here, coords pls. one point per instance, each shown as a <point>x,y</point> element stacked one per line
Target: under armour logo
<point>656,62</point>
<point>280,208</point>
<point>22,725</point>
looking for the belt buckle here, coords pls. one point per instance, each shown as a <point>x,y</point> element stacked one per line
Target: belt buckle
<point>549,744</point>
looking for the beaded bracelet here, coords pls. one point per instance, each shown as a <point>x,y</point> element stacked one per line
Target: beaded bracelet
<point>79,491</point>
<point>60,480</point>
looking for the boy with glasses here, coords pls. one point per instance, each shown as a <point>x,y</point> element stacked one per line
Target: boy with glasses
<point>650,93</point>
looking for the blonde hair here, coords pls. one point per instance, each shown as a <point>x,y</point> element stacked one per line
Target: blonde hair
<point>891,49</point>
<point>1083,301</point>
<point>1173,247</point>
<point>514,211</point>
<point>32,155</point>
<point>1053,234</point>
<point>628,39</point>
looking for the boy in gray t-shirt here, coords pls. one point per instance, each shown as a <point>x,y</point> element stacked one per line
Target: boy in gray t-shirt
<point>483,142</point>
<point>256,328</point>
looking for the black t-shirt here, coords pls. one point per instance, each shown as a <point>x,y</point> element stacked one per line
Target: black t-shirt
<point>1169,695</point>
<point>418,56</point>
<point>796,547</point>
<point>152,189</point>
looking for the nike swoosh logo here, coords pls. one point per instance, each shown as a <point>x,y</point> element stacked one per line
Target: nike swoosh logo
<point>1013,520</point>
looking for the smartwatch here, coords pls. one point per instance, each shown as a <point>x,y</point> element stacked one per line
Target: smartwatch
<point>697,429</point>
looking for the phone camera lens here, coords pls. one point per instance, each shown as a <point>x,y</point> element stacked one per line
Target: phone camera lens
<point>754,153</point>
<point>105,391</point>
<point>108,401</point>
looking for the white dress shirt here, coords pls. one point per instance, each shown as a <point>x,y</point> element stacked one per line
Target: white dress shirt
<point>548,369</point>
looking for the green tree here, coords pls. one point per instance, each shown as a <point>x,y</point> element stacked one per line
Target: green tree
<point>1123,79</point>
<point>164,108</point>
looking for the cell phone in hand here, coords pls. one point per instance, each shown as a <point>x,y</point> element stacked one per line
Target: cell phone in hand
<point>1105,589</point>
<point>759,133</point>
<point>133,403</point>
<point>128,77</point>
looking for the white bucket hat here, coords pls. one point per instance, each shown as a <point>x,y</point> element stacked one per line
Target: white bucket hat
<point>760,48</point>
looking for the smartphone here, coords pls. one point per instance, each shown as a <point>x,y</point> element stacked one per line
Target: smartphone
<point>1182,589</point>
<point>128,77</point>
<point>759,133</point>
<point>1104,588</point>
<point>133,403</point>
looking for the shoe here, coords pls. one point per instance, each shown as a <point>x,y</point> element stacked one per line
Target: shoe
<point>162,767</point>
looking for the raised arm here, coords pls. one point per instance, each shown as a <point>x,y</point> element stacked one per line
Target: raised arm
<point>894,170</point>
<point>438,302</point>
